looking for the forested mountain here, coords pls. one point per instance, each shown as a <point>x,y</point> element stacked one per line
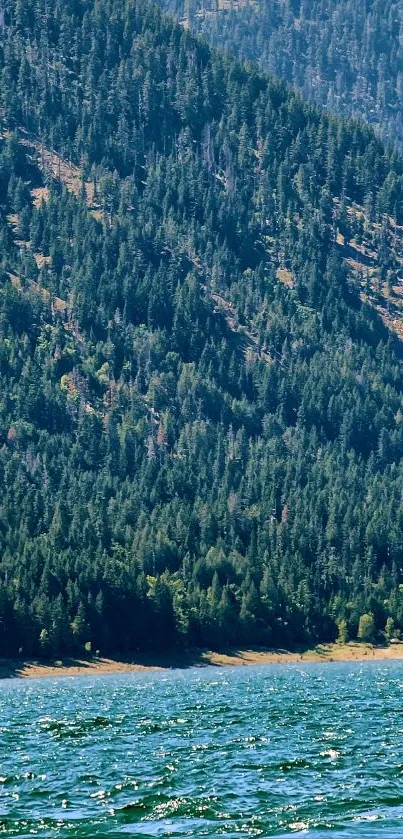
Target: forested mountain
<point>201,425</point>
<point>346,55</point>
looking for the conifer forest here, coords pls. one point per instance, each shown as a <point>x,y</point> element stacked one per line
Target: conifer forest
<point>201,325</point>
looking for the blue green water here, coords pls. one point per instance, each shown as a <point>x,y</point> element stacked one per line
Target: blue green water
<point>260,751</point>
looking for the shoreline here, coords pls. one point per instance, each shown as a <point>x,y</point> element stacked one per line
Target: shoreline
<point>325,653</point>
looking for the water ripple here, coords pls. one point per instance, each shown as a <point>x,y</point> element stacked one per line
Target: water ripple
<point>268,751</point>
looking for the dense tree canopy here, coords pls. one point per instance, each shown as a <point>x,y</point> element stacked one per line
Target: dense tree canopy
<point>201,425</point>
<point>345,55</point>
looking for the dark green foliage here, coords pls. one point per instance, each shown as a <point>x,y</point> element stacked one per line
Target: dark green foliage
<point>345,55</point>
<point>190,450</point>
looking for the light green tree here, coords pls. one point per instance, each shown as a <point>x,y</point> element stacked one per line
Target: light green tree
<point>342,637</point>
<point>390,630</point>
<point>366,628</point>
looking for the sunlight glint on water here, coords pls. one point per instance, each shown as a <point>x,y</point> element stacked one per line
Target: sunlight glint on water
<point>307,750</point>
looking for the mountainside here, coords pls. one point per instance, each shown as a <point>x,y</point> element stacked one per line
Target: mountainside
<point>344,55</point>
<point>201,424</point>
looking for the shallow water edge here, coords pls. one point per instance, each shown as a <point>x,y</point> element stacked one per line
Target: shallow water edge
<point>175,660</point>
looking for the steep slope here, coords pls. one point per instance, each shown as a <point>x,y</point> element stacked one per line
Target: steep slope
<point>345,55</point>
<point>201,425</point>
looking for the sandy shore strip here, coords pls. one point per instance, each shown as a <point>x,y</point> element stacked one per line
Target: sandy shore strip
<point>197,658</point>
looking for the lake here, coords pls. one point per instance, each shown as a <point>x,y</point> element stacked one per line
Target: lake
<point>297,750</point>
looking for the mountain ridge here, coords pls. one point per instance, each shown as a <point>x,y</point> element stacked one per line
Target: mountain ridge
<point>345,56</point>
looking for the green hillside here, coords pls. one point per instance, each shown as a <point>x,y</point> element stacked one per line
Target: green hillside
<point>345,55</point>
<point>201,424</point>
